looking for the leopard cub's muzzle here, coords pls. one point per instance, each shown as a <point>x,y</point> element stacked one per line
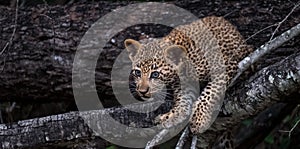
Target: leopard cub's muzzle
<point>143,90</point>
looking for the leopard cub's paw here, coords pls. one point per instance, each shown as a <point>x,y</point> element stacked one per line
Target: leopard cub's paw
<point>157,120</point>
<point>165,120</point>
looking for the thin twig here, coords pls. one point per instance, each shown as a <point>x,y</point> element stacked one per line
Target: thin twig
<point>182,138</point>
<point>279,24</point>
<point>194,142</point>
<point>156,139</point>
<point>14,30</point>
<point>261,31</point>
<point>8,44</point>
<point>229,13</point>
<point>290,131</point>
<point>266,48</point>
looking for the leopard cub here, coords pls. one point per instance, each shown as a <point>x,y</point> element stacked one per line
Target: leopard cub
<point>212,47</point>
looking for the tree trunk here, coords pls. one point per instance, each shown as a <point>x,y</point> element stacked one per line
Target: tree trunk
<point>73,126</point>
<point>38,62</point>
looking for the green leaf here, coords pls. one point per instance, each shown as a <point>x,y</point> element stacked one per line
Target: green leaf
<point>287,119</point>
<point>269,139</point>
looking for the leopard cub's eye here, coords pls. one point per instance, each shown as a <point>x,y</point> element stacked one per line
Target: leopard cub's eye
<point>137,72</point>
<point>154,74</point>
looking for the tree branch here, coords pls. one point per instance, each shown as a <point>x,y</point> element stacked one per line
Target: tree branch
<point>270,85</point>
<point>266,48</point>
<point>266,87</point>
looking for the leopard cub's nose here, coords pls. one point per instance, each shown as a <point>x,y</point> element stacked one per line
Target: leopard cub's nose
<point>144,91</point>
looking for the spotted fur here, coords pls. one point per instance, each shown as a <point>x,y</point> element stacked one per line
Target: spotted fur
<point>211,46</point>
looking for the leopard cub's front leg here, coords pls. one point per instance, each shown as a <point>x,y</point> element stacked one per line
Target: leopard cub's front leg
<point>207,106</point>
<point>178,114</point>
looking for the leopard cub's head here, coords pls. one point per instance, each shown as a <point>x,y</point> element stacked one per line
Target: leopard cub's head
<point>154,66</point>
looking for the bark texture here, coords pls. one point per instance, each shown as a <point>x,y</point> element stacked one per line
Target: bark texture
<point>38,63</point>
<point>261,91</point>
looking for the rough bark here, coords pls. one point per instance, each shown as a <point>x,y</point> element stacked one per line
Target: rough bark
<point>38,63</point>
<point>262,90</point>
<point>273,84</point>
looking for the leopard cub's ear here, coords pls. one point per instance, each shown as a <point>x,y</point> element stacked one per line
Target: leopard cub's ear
<point>175,54</point>
<point>132,47</point>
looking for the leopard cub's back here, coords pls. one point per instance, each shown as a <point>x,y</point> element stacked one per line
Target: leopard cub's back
<point>211,38</point>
